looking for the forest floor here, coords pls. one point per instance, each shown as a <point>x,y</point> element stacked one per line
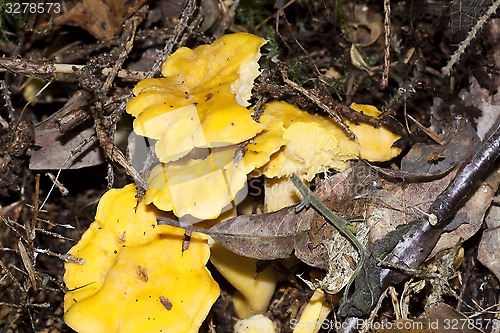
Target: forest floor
<point>400,56</point>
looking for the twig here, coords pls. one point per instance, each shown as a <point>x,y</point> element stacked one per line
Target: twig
<point>129,35</point>
<point>315,99</point>
<point>46,70</point>
<point>115,154</point>
<point>387,44</point>
<point>472,34</point>
<point>60,186</point>
<point>187,13</point>
<point>447,203</point>
<point>8,103</point>
<point>419,236</point>
<point>227,19</point>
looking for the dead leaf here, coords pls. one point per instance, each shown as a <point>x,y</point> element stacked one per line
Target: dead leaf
<point>66,153</point>
<point>365,27</point>
<point>484,100</point>
<point>443,318</point>
<point>72,113</point>
<point>438,159</point>
<point>262,236</point>
<point>396,204</point>
<point>338,194</point>
<point>489,247</point>
<point>437,319</point>
<point>60,146</point>
<point>471,217</point>
<point>280,234</point>
<point>101,18</point>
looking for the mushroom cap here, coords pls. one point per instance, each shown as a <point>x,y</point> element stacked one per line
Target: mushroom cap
<point>255,324</point>
<point>201,102</point>
<point>136,278</point>
<point>266,143</point>
<point>199,188</point>
<point>376,143</point>
<point>313,143</point>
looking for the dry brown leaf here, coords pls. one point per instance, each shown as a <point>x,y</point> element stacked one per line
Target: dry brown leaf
<point>65,153</point>
<point>264,236</point>
<point>471,215</point>
<point>489,247</point>
<point>396,204</point>
<point>101,18</point>
<point>444,318</point>
<point>280,234</point>
<point>437,159</point>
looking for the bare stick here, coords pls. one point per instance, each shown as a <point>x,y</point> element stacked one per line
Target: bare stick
<point>57,72</point>
<point>387,44</point>
<point>472,34</point>
<point>447,203</point>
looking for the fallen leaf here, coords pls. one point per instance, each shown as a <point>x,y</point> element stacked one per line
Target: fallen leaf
<point>282,233</point>
<point>101,18</point>
<point>485,101</point>
<point>65,153</point>
<point>437,159</point>
<point>442,316</point>
<point>261,236</point>
<point>489,247</point>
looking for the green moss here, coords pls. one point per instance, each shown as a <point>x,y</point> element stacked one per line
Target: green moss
<point>272,48</point>
<point>252,12</point>
<point>15,17</point>
<point>296,72</point>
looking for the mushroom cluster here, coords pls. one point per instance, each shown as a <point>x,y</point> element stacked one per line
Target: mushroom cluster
<point>312,144</point>
<point>200,115</point>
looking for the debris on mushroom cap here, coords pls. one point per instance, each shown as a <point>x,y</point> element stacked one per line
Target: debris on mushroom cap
<point>314,314</point>
<point>136,278</point>
<point>201,101</point>
<point>254,289</point>
<point>376,143</point>
<point>198,188</point>
<point>313,143</point>
<point>255,324</point>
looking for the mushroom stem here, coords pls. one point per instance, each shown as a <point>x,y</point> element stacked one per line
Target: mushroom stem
<point>254,289</point>
<point>314,314</point>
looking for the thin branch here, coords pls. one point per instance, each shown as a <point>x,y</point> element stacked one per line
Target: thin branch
<point>387,44</point>
<point>46,70</point>
<point>470,37</point>
<point>447,203</point>
<point>315,99</point>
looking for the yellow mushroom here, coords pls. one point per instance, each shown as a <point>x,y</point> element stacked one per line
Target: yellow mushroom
<point>198,188</point>
<point>201,100</point>
<point>376,143</point>
<point>260,149</point>
<point>135,276</point>
<point>255,324</point>
<point>279,193</point>
<point>314,144</point>
<point>254,289</point>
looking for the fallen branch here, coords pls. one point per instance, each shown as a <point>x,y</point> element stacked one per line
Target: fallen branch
<point>410,245</point>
